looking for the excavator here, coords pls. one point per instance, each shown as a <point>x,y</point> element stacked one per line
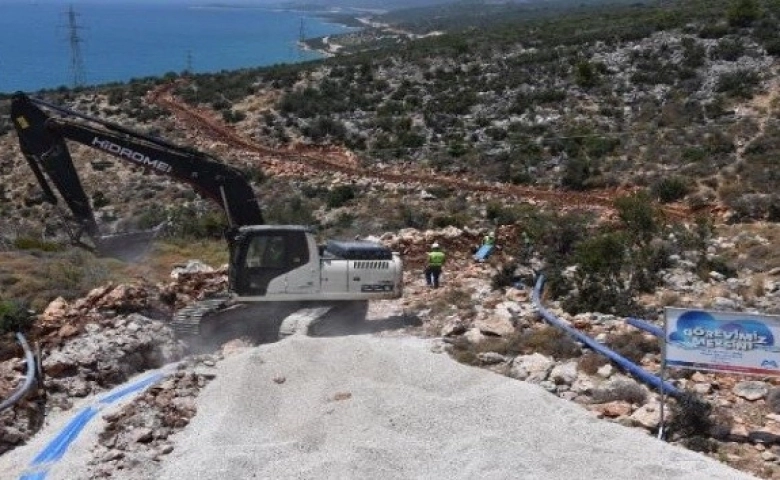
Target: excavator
<point>273,270</point>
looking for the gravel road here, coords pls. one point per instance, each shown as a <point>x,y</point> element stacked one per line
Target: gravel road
<point>390,408</point>
<point>365,406</point>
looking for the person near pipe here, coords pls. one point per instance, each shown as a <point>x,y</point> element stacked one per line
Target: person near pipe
<point>436,260</point>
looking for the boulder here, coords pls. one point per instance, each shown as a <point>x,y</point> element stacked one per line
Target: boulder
<point>649,415</point>
<point>751,390</point>
<point>532,368</point>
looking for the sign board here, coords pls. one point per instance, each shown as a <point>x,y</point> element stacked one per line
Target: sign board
<point>730,342</point>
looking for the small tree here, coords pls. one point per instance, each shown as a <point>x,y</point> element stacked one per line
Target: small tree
<point>742,13</point>
<point>340,196</point>
<point>14,316</point>
<point>638,215</point>
<point>670,189</point>
<point>586,75</point>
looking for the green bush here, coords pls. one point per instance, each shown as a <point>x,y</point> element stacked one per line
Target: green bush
<point>255,174</point>
<point>633,345</point>
<point>728,50</point>
<point>715,264</point>
<point>289,210</point>
<point>339,196</point>
<point>14,317</point>
<point>576,174</point>
<point>325,127</point>
<point>444,220</point>
<point>586,75</point>
<point>638,215</point>
<point>409,217</point>
<point>714,31</point>
<point>28,243</point>
<point>773,47</point>
<point>501,215</point>
<point>670,189</point>
<point>690,417</point>
<point>612,268</point>
<point>742,13</point>
<point>504,277</point>
<point>547,340</point>
<point>738,84</point>
<point>602,255</point>
<point>597,294</point>
<point>99,200</point>
<point>233,116</point>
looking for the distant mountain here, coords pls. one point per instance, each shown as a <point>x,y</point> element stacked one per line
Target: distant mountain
<point>394,5</point>
<point>383,5</point>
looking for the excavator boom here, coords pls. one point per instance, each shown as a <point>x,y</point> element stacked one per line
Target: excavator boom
<point>43,129</point>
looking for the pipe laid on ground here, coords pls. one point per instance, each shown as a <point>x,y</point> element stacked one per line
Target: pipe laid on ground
<point>29,378</point>
<point>646,326</point>
<point>56,449</point>
<point>635,370</point>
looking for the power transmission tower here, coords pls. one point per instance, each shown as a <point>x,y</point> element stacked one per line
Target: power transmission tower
<point>302,33</point>
<point>76,60</point>
<point>188,69</point>
<point>302,37</point>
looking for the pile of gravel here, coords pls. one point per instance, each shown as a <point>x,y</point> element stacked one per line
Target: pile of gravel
<point>370,407</point>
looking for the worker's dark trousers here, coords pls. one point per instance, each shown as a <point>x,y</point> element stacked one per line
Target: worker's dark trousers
<point>432,274</point>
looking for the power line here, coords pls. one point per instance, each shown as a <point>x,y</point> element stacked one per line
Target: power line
<point>76,60</point>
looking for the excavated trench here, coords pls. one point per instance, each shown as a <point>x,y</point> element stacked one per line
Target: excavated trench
<point>310,160</point>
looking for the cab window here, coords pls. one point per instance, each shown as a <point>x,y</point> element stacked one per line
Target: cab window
<point>266,252</point>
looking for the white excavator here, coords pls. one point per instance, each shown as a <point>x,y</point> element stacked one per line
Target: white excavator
<point>273,270</point>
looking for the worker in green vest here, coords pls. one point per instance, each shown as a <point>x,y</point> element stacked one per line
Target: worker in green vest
<point>435,262</point>
<point>490,239</point>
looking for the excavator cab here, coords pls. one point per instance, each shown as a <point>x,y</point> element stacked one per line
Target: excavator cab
<point>264,258</point>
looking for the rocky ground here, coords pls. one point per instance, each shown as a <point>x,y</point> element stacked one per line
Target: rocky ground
<point>101,340</point>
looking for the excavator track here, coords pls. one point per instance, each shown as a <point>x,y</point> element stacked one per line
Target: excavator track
<point>218,319</point>
<point>187,321</point>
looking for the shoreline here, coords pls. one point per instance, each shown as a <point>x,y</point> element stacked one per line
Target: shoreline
<point>329,48</point>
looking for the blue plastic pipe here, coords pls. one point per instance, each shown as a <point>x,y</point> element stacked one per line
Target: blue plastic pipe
<point>29,378</point>
<point>646,326</point>
<point>56,449</point>
<point>634,369</point>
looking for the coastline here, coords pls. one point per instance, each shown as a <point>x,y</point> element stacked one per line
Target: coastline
<point>200,40</point>
<point>327,47</point>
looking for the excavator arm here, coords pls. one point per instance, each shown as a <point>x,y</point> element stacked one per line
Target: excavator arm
<point>43,128</point>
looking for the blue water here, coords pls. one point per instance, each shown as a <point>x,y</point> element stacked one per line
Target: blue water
<point>123,41</point>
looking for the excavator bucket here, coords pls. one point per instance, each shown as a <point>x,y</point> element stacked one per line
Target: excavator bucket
<point>128,247</point>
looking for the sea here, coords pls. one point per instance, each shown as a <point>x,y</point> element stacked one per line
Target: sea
<point>50,44</point>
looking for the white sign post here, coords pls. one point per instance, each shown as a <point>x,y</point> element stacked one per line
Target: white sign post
<point>728,342</point>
